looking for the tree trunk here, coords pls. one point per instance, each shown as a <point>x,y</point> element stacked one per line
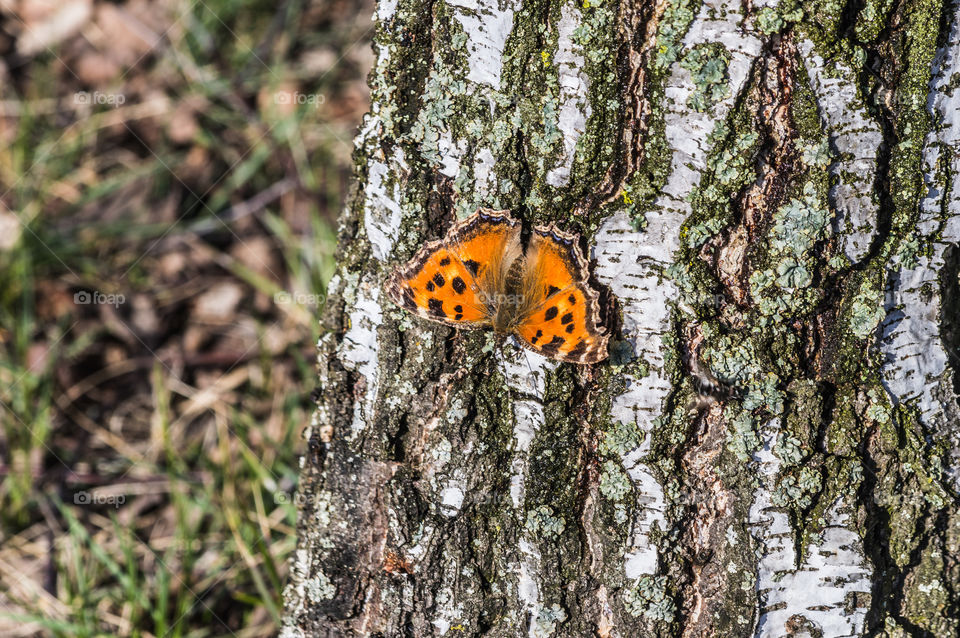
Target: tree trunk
<point>770,196</point>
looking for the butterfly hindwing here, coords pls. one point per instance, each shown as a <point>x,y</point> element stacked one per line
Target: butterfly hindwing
<point>564,322</point>
<point>564,328</point>
<point>449,280</point>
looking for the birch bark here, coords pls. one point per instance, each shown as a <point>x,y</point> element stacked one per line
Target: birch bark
<point>769,194</point>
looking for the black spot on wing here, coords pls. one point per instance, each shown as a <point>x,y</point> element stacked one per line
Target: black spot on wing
<point>570,327</point>
<point>572,299</point>
<point>436,307</point>
<point>536,337</point>
<point>458,285</point>
<point>458,308</point>
<point>439,280</point>
<point>458,317</point>
<point>554,345</point>
<point>567,318</point>
<point>578,350</point>
<point>550,313</point>
<point>472,266</point>
<point>445,261</point>
<point>552,290</point>
<point>430,286</point>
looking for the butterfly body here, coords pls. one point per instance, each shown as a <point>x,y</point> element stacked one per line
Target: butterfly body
<point>479,275</point>
<point>504,298</point>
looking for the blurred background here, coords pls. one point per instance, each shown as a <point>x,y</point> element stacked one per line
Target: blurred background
<point>170,176</point>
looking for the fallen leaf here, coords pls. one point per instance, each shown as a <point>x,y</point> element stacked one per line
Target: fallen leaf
<point>47,23</point>
<point>219,304</point>
<point>10,230</point>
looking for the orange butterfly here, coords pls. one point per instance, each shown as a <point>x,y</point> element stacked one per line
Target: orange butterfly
<point>479,276</point>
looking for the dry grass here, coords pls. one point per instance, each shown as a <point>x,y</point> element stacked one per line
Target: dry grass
<point>169,176</point>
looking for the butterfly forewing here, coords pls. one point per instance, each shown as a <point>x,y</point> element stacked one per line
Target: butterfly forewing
<point>437,286</point>
<point>452,280</point>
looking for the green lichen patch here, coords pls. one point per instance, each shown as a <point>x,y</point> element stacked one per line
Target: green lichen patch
<point>439,97</point>
<point>542,521</point>
<point>614,482</point>
<point>707,64</point>
<point>785,287</point>
<point>770,20</point>
<point>620,439</point>
<point>866,308</point>
<point>739,363</point>
<point>547,620</point>
<point>676,19</point>
<point>743,439</point>
<point>649,598</point>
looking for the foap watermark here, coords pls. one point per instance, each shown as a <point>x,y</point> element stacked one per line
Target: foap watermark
<point>706,300</point>
<point>97,298</point>
<point>501,299</point>
<point>99,98</point>
<point>97,499</point>
<point>284,298</point>
<point>285,98</point>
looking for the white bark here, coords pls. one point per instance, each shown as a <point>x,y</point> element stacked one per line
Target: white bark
<point>819,589</point>
<point>856,139</point>
<point>574,87</point>
<point>487,26</point>
<point>632,263</point>
<point>916,369</point>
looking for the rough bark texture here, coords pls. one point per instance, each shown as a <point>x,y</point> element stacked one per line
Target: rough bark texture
<point>770,193</point>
